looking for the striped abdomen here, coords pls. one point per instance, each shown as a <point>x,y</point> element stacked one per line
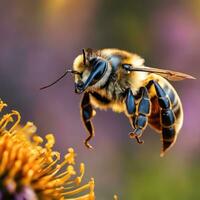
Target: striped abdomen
<point>169,132</point>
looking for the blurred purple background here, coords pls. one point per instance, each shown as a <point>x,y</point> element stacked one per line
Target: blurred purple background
<point>39,39</point>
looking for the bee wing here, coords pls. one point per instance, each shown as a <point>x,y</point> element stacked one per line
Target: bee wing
<point>168,74</point>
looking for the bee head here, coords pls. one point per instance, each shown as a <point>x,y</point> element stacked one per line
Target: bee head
<point>94,71</point>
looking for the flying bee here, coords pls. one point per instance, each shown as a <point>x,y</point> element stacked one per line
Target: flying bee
<point>119,80</point>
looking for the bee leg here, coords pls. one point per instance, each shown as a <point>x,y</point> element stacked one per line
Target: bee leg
<point>87,113</point>
<point>139,121</point>
<point>167,118</point>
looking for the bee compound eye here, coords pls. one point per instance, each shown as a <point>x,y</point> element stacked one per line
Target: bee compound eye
<point>94,61</point>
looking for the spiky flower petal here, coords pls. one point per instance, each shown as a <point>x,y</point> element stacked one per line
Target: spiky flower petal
<point>30,169</point>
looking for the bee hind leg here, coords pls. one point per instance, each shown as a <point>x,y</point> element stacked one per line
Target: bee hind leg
<point>167,118</point>
<point>87,113</point>
<point>138,116</point>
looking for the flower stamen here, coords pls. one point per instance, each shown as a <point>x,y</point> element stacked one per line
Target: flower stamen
<point>26,164</point>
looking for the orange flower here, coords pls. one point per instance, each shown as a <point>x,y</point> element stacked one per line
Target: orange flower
<point>30,169</point>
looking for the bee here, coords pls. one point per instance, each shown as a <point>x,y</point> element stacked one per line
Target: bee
<point>119,80</point>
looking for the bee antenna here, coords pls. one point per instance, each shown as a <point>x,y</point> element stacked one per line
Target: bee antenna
<point>61,77</point>
<point>84,57</point>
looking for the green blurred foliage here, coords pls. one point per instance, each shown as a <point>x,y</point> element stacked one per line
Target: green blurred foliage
<point>124,24</point>
<point>161,179</point>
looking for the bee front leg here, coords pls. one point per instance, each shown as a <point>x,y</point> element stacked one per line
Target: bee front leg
<point>87,113</point>
<point>138,115</point>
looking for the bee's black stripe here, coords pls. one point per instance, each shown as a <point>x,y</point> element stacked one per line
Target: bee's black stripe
<point>100,98</point>
<point>176,107</point>
<point>170,93</point>
<point>155,118</point>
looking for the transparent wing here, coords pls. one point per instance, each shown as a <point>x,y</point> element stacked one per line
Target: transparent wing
<point>168,74</point>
